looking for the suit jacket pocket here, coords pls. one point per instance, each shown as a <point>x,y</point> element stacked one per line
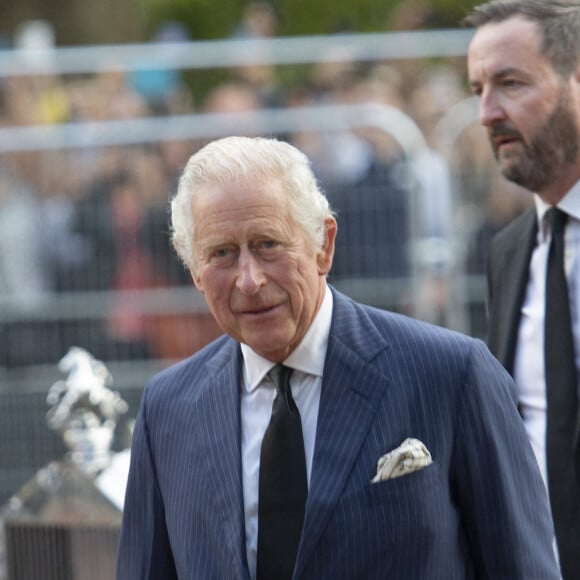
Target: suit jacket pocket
<point>408,513</point>
<point>410,488</point>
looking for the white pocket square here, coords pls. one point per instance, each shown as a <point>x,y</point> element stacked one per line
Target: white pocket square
<point>410,456</point>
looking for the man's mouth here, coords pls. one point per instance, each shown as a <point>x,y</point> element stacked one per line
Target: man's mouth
<point>500,137</point>
<point>501,141</point>
<point>258,310</point>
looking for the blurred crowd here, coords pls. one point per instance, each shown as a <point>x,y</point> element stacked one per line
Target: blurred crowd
<point>94,220</point>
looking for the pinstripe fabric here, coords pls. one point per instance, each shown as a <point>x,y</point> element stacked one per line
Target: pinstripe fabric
<point>479,511</point>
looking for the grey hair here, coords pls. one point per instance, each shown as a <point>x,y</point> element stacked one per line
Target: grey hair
<point>558,20</point>
<point>258,159</point>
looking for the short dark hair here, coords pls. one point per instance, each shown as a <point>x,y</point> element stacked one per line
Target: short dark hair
<point>558,20</point>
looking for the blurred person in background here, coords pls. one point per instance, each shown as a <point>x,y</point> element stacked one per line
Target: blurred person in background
<point>24,279</point>
<point>372,201</point>
<point>386,432</point>
<point>524,64</point>
<point>436,90</point>
<point>259,19</point>
<point>504,201</point>
<point>163,88</point>
<point>338,157</point>
<point>111,221</point>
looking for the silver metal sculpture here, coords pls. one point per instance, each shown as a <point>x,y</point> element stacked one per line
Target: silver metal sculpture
<point>84,410</point>
<point>60,525</point>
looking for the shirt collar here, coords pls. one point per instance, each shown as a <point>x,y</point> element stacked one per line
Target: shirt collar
<point>569,204</point>
<point>308,357</point>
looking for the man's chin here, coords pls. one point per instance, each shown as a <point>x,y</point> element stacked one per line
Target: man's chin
<point>511,165</point>
<point>519,175</point>
<point>270,347</point>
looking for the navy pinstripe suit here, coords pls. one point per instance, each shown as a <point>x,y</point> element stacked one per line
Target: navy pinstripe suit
<point>479,511</point>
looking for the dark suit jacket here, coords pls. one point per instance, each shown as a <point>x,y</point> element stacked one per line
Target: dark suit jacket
<point>508,275</point>
<point>479,511</point>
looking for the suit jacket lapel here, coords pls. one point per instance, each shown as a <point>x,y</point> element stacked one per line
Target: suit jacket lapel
<point>351,389</point>
<point>219,429</point>
<point>509,273</point>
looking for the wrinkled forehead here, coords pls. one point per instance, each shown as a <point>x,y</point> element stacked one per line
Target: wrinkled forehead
<point>242,194</point>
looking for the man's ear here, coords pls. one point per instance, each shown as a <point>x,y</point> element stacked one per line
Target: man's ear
<point>197,281</point>
<point>325,256</point>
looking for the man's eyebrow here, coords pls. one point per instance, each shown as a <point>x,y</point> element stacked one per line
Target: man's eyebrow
<point>499,75</point>
<point>212,244</point>
<point>507,72</point>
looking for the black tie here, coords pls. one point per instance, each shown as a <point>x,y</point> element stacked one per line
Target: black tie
<point>283,485</point>
<point>561,384</point>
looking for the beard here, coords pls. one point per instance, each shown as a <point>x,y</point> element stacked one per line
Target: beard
<point>551,150</point>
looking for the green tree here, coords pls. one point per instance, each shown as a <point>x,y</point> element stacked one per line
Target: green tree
<point>303,17</point>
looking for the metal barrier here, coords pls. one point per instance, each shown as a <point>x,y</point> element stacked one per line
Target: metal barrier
<point>237,52</point>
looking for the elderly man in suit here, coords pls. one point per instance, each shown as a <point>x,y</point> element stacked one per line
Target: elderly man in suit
<point>381,447</point>
<point>524,63</point>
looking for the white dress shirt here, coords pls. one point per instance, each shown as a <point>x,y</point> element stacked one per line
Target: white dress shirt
<point>257,397</point>
<point>529,371</point>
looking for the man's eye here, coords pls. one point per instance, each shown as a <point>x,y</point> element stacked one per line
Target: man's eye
<point>268,247</point>
<point>510,83</point>
<point>222,255</point>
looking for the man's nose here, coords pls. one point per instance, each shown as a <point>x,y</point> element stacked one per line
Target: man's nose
<point>490,109</point>
<point>250,273</point>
